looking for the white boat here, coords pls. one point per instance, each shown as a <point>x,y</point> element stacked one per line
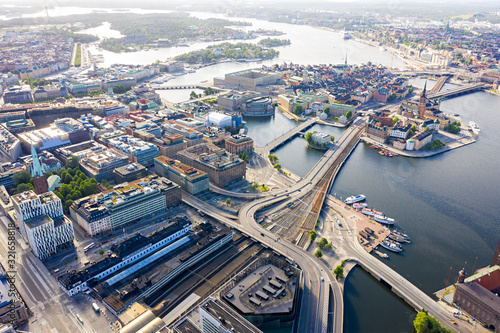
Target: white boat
<point>371,212</point>
<point>356,198</point>
<point>381,48</point>
<point>383,219</point>
<point>474,128</point>
<point>359,205</point>
<point>391,245</point>
<point>344,35</point>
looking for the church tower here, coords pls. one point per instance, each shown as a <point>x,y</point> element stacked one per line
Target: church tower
<point>422,103</point>
<point>38,174</point>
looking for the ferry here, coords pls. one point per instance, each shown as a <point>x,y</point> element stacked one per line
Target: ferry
<point>359,205</point>
<point>344,35</point>
<point>371,212</point>
<point>391,245</point>
<point>474,128</point>
<point>383,219</point>
<point>354,199</point>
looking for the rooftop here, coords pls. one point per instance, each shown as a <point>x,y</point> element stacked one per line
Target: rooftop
<point>231,321</point>
<point>181,168</point>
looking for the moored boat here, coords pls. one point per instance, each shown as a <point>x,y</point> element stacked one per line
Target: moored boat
<point>383,219</point>
<point>391,245</point>
<point>359,205</point>
<point>400,234</point>
<point>354,199</point>
<point>371,212</point>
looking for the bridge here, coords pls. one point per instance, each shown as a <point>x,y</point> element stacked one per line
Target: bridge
<point>466,89</point>
<point>271,146</point>
<point>182,86</point>
<point>439,84</point>
<point>424,72</point>
<point>309,194</point>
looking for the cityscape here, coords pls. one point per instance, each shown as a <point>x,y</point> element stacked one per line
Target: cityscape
<point>235,166</point>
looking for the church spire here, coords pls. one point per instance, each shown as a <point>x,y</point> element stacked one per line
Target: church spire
<point>425,88</point>
<point>345,65</point>
<point>36,168</point>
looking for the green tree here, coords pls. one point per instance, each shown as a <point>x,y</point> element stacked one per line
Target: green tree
<point>228,201</point>
<point>68,178</point>
<point>326,109</point>
<point>328,246</point>
<point>395,120</point>
<point>272,158</point>
<point>120,89</point>
<point>24,187</point>
<point>297,109</point>
<point>339,272</point>
<point>318,254</point>
<point>21,177</point>
<point>101,252</point>
<point>323,241</point>
<point>313,235</point>
<point>277,166</point>
<point>425,323</point>
<point>342,263</point>
<point>72,162</point>
<point>348,115</point>
<point>332,138</point>
<point>67,204</point>
<point>254,186</point>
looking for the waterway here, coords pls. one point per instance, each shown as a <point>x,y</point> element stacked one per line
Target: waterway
<point>446,203</point>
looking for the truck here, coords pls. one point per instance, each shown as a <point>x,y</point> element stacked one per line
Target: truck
<point>96,307</point>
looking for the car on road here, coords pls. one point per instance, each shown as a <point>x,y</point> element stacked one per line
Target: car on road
<point>262,234</point>
<point>322,279</point>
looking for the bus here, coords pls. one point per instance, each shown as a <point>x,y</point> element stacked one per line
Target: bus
<point>96,307</point>
<point>89,247</point>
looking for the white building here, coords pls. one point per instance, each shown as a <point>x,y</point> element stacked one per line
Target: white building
<point>320,139</point>
<point>218,119</point>
<point>400,131</point>
<point>41,221</point>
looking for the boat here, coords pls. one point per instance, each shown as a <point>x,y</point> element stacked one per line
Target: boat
<point>344,35</point>
<point>398,238</point>
<point>371,212</point>
<point>391,245</point>
<point>374,147</point>
<point>356,198</point>
<point>359,205</point>
<point>389,154</point>
<point>383,219</point>
<point>400,234</point>
<point>381,48</point>
<point>474,128</point>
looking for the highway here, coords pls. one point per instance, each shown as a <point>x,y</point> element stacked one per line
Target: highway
<point>314,307</point>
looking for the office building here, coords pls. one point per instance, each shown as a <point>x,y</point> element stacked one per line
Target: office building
<point>170,145</point>
<point>137,150</point>
<point>100,164</point>
<point>125,203</point>
<point>42,223</point>
<point>19,125</point>
<point>222,167</point>
<point>129,173</point>
<point>238,144</point>
<point>191,136</point>
<point>80,150</point>
<point>188,178</point>
<point>141,246</point>
<point>10,146</point>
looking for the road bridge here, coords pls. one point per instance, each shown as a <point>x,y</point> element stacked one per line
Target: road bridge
<point>181,86</point>
<point>466,89</point>
<point>439,84</point>
<point>271,146</point>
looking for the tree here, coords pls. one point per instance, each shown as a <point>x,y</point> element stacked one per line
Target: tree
<point>328,246</point>
<point>72,162</point>
<point>67,204</point>
<point>297,109</point>
<point>119,89</point>
<point>313,235</point>
<point>24,187</point>
<point>348,114</point>
<point>228,201</point>
<point>332,138</point>
<point>425,323</point>
<point>322,242</point>
<point>395,120</point>
<point>277,166</point>
<point>101,252</point>
<point>326,109</point>
<point>339,272</point>
<point>273,158</point>
<point>318,254</point>
<point>68,178</point>
<point>21,177</point>
<point>254,186</point>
